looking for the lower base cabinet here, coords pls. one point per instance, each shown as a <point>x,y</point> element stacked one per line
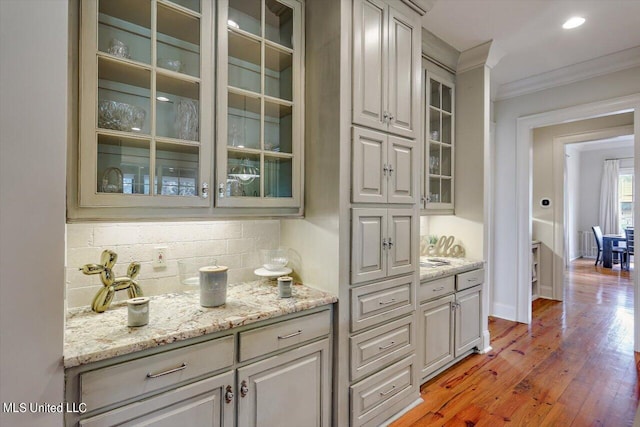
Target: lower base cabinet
<point>449,326</point>
<point>290,390</point>
<point>280,376</point>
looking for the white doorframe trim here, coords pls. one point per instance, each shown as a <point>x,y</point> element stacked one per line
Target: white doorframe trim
<point>524,136</point>
<point>559,144</point>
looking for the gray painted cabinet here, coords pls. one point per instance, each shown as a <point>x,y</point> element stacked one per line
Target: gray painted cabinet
<point>383,168</point>
<point>386,77</point>
<point>289,390</point>
<point>449,321</point>
<point>382,243</point>
<point>209,384</point>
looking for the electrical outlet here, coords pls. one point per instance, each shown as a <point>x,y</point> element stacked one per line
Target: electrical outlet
<point>160,257</point>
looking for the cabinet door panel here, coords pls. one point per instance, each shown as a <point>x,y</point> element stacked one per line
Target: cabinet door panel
<point>404,74</point>
<point>368,183</point>
<point>368,258</point>
<point>401,232</point>
<point>290,390</point>
<point>403,160</point>
<point>369,59</point>
<point>468,325</point>
<point>437,329</point>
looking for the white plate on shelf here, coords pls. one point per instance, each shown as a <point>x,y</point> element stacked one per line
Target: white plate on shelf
<point>263,272</point>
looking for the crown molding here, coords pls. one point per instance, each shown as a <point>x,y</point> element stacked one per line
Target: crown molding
<point>617,61</point>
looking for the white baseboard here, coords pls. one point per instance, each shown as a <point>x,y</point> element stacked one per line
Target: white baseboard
<point>503,311</point>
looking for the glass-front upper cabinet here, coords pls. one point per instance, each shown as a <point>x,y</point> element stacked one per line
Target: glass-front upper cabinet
<point>439,143</point>
<point>259,108</point>
<point>146,119</point>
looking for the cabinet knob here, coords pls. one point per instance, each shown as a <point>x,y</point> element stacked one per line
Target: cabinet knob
<point>205,190</point>
<point>384,243</point>
<point>390,243</point>
<point>220,191</point>
<point>390,170</point>
<point>244,390</point>
<point>385,169</point>
<point>228,395</point>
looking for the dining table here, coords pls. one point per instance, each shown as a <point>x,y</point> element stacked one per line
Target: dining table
<point>608,242</point>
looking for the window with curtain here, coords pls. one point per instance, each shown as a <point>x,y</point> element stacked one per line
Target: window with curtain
<point>625,198</point>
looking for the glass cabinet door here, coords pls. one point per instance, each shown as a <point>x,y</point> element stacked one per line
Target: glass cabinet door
<point>439,143</point>
<point>144,72</point>
<point>259,98</point>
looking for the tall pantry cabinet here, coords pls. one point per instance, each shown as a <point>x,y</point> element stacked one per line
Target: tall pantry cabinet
<point>362,130</point>
<point>384,212</point>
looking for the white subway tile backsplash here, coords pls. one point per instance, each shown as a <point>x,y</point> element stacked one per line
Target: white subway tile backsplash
<point>211,248</point>
<point>240,246</point>
<point>79,236</point>
<point>235,244</point>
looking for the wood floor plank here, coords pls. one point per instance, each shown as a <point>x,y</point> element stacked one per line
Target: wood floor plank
<point>573,365</point>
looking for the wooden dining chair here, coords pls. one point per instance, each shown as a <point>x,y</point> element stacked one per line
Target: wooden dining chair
<point>597,233</point>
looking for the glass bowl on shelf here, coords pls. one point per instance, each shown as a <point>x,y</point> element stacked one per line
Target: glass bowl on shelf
<point>120,116</point>
<point>274,259</point>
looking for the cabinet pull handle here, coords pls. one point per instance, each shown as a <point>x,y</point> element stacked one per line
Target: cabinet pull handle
<point>391,301</point>
<point>284,337</point>
<point>384,347</point>
<point>473,279</point>
<point>244,390</point>
<point>228,395</point>
<point>438,289</point>
<point>170,371</point>
<point>384,393</point>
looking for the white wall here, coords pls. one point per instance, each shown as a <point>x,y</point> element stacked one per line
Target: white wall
<point>33,136</point>
<point>235,244</point>
<point>505,213</point>
<point>590,177</point>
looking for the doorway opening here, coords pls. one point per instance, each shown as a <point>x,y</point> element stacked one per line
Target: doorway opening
<point>525,132</point>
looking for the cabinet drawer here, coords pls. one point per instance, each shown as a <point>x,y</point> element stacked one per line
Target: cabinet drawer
<point>281,335</point>
<point>201,403</point>
<point>116,383</point>
<point>378,347</point>
<point>435,288</point>
<point>373,396</point>
<point>380,302</point>
<point>469,279</point>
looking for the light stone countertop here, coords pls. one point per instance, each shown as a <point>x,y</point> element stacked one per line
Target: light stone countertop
<point>90,337</point>
<point>456,265</point>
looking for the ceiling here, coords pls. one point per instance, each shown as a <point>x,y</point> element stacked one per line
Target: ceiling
<point>529,32</point>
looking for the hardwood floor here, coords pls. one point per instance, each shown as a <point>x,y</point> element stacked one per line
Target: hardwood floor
<point>573,366</point>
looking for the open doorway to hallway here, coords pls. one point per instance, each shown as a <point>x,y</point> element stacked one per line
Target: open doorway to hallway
<point>567,165</point>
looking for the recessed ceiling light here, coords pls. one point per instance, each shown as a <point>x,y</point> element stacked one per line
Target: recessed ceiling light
<point>573,22</point>
<point>135,129</point>
<point>162,99</point>
<point>232,23</point>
